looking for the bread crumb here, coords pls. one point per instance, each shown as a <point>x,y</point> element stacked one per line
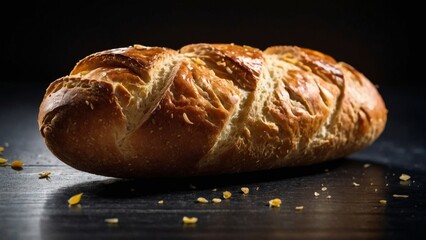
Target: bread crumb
<point>216,200</point>
<point>328,196</point>
<point>6,144</point>
<point>44,174</point>
<point>189,220</point>
<point>228,70</point>
<point>111,220</point>
<point>299,208</point>
<point>383,202</point>
<point>276,202</point>
<point>245,190</point>
<point>227,195</point>
<point>185,117</point>
<point>404,177</point>
<point>316,194</point>
<point>356,184</point>
<point>214,189</point>
<point>375,190</point>
<point>324,189</point>
<point>17,164</point>
<point>257,188</point>
<point>75,199</point>
<point>3,160</point>
<point>202,200</point>
<point>161,202</point>
<point>367,165</point>
<point>400,196</point>
<point>219,63</point>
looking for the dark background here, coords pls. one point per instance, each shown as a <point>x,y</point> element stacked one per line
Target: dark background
<point>43,40</point>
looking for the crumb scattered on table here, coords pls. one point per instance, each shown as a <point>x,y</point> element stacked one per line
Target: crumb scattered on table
<point>276,202</point>
<point>227,194</point>
<point>111,220</point>
<point>404,177</point>
<point>75,199</point>
<point>202,200</point>
<point>400,196</point>
<point>245,190</point>
<point>189,220</point>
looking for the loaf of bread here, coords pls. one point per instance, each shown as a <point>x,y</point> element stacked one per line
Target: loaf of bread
<point>207,109</point>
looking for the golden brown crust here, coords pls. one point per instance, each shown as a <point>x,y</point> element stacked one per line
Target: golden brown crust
<point>208,109</point>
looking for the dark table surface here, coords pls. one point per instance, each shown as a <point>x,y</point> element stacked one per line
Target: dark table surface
<point>33,208</point>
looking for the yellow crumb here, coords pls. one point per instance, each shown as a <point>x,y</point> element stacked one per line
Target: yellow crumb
<point>202,200</point>
<point>276,202</point>
<point>227,195</point>
<point>219,63</point>
<point>75,199</point>
<point>3,161</point>
<point>111,220</point>
<point>316,194</point>
<point>228,70</point>
<point>44,174</point>
<point>245,190</point>
<point>189,220</point>
<point>383,202</point>
<point>216,200</point>
<point>404,177</point>
<point>299,208</point>
<point>17,164</point>
<point>161,202</point>
<point>185,117</point>
<point>1,150</point>
<point>400,196</point>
